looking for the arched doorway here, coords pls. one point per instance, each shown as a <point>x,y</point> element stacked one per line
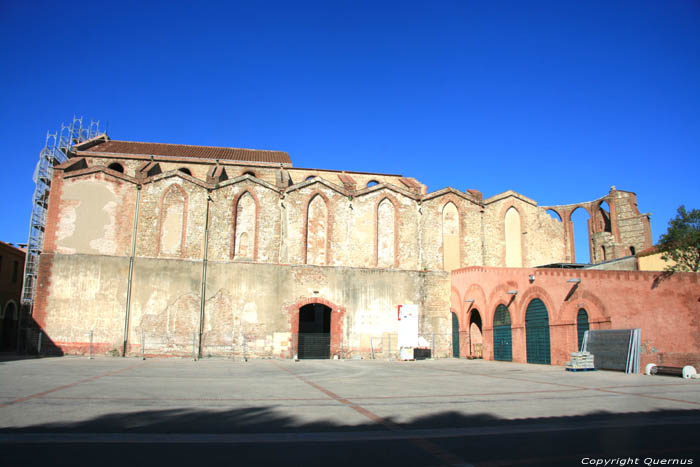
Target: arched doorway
<point>476,338</point>
<point>314,340</point>
<point>581,325</point>
<point>537,332</point>
<point>455,335</point>
<point>502,335</point>
<point>9,327</point>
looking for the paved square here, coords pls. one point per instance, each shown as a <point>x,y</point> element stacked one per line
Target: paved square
<point>425,405</point>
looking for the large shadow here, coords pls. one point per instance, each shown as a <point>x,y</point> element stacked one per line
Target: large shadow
<point>491,440</point>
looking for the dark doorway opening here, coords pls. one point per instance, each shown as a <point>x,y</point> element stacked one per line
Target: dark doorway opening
<point>314,339</point>
<point>476,338</point>
<point>9,328</point>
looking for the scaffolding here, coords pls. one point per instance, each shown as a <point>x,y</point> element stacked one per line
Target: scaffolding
<point>56,150</point>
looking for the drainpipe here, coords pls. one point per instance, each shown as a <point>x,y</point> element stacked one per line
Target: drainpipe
<point>204,277</point>
<point>131,271</point>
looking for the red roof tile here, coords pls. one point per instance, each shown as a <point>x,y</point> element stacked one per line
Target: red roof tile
<point>198,152</point>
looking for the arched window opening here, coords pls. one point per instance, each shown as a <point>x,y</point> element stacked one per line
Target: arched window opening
<point>502,335</point>
<point>173,218</point>
<point>581,224</point>
<point>603,217</point>
<point>386,223</point>
<point>450,237</point>
<point>116,166</point>
<point>581,325</point>
<point>372,183</point>
<point>513,234</point>
<point>185,170</point>
<point>537,333</point>
<point>310,177</point>
<point>603,252</point>
<point>633,251</point>
<point>250,172</point>
<point>554,214</point>
<point>245,218</point>
<point>317,231</point>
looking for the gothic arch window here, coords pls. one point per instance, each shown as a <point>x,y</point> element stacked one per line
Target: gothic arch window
<point>317,231</point>
<point>514,247</point>
<point>245,227</point>
<point>185,171</point>
<point>450,237</point>
<point>386,234</point>
<point>173,218</point>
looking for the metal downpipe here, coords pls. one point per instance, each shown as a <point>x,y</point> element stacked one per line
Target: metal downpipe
<point>204,278</point>
<point>131,271</point>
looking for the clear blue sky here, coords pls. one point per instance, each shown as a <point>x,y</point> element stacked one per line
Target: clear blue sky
<point>556,100</point>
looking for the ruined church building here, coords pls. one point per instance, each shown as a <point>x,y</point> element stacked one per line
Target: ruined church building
<point>162,248</point>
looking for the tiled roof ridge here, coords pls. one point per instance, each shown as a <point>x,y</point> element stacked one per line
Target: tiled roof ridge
<point>191,145</point>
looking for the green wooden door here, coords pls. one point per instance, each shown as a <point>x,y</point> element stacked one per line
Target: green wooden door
<point>455,336</point>
<point>581,325</point>
<point>537,333</point>
<point>502,335</point>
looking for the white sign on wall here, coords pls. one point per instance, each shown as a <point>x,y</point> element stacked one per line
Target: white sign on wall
<point>408,325</point>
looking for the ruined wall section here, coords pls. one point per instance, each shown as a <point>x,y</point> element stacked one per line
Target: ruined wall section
<point>634,228</point>
<point>433,232</point>
<point>542,238</point>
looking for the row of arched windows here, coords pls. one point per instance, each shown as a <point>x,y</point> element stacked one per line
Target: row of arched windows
<point>173,221</point>
<point>119,167</point>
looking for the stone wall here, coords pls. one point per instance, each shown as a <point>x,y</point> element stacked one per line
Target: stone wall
<point>249,308</point>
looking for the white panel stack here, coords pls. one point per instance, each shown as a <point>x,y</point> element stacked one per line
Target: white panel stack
<point>581,361</point>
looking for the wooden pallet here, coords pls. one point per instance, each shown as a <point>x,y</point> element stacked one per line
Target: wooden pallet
<point>582,369</point>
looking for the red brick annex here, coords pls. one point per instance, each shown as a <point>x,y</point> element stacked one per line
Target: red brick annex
<point>165,249</point>
<point>665,307</point>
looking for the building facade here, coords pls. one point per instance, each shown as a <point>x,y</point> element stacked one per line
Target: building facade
<point>169,249</point>
<point>11,267</point>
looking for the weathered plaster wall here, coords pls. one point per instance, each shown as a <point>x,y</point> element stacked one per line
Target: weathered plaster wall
<point>246,303</point>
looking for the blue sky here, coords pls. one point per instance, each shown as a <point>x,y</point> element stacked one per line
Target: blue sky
<point>556,100</point>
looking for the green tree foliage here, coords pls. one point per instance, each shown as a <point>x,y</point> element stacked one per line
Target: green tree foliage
<point>681,243</point>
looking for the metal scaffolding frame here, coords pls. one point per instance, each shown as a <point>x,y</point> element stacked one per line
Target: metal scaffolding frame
<point>56,150</point>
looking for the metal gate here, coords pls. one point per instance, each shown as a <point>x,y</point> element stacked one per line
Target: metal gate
<point>455,336</point>
<point>502,335</point>
<point>581,325</point>
<point>537,333</point>
<point>314,345</point>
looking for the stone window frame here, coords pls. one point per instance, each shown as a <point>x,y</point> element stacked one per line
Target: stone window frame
<point>329,227</point>
<point>234,222</point>
<point>395,204</point>
<point>161,214</point>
